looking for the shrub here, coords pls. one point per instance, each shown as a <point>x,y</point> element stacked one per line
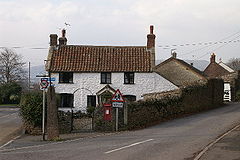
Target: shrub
<point>238,95</point>
<point>31,108</point>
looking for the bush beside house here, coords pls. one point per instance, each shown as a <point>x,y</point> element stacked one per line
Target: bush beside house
<point>31,112</point>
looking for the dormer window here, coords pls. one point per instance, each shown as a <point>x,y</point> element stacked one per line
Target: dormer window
<point>106,78</point>
<point>129,78</point>
<point>65,77</point>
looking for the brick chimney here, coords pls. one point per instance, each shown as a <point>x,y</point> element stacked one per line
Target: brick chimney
<point>151,45</point>
<point>63,40</point>
<point>213,58</point>
<point>53,40</point>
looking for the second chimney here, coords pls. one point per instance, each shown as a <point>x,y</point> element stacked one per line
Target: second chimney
<point>151,46</point>
<point>151,38</point>
<point>63,40</point>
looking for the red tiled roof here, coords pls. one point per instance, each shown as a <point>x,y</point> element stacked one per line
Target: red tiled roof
<point>214,70</point>
<point>73,58</point>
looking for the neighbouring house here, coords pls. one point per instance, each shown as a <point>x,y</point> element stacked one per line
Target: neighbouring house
<point>179,72</point>
<point>230,77</point>
<point>89,75</point>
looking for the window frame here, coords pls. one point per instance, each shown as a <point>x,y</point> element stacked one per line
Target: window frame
<point>91,99</point>
<point>65,77</point>
<point>66,97</point>
<point>129,78</point>
<point>106,78</point>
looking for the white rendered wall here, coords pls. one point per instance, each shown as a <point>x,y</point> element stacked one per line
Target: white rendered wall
<point>143,83</point>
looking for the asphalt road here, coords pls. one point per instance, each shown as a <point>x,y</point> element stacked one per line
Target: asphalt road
<point>179,139</point>
<point>10,122</point>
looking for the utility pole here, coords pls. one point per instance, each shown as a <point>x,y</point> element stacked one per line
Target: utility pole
<point>29,76</point>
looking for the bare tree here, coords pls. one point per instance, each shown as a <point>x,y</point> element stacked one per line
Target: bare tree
<point>11,66</point>
<point>234,63</point>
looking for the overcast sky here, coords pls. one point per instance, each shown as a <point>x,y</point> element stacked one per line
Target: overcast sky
<point>28,24</point>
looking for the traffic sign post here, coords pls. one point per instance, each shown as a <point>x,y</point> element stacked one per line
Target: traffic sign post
<point>43,84</point>
<point>117,102</point>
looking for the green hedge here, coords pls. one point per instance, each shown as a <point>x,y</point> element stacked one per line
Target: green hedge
<point>31,108</point>
<point>145,113</point>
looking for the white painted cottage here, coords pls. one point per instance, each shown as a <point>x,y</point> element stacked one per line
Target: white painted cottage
<point>85,72</point>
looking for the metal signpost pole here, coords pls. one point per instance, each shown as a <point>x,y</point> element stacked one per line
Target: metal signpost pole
<point>43,115</point>
<point>116,119</point>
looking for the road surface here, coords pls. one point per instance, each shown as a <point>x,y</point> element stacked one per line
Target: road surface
<point>10,122</point>
<point>179,139</point>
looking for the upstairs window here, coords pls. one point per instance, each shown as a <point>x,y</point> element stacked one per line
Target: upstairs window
<point>105,78</point>
<point>65,77</point>
<point>65,100</point>
<point>128,78</point>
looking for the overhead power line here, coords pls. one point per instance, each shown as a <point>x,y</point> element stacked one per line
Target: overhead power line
<point>198,44</point>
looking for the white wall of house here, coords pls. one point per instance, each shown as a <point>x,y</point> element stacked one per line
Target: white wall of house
<point>143,83</point>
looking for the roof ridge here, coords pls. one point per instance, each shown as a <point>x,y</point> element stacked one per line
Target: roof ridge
<point>104,46</point>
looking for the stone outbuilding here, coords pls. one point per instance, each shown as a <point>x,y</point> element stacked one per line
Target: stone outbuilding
<point>230,77</point>
<point>179,72</point>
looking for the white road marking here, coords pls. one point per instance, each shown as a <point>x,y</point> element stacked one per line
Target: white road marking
<point>52,143</point>
<point>7,115</point>
<point>9,142</point>
<point>128,146</point>
<point>214,142</point>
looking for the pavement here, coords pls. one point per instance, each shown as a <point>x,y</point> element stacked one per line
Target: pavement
<point>228,148</point>
<point>171,140</point>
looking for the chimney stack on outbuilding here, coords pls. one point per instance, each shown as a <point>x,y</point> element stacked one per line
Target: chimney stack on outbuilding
<point>151,45</point>
<point>213,58</point>
<point>63,40</point>
<point>174,54</point>
<point>53,40</point>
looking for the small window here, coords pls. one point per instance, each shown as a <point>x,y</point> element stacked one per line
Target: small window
<point>129,78</point>
<point>65,100</point>
<point>66,77</point>
<point>91,101</point>
<point>106,78</point>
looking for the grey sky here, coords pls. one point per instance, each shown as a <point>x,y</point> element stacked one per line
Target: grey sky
<point>28,23</point>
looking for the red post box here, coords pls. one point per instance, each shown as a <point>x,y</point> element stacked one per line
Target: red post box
<point>107,112</point>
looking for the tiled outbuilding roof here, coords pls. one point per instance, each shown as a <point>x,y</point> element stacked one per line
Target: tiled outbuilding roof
<point>79,58</point>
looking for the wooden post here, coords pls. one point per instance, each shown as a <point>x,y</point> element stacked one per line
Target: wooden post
<point>52,115</point>
<point>125,116</point>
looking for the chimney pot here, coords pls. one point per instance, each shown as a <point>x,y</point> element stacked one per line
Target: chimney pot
<point>53,39</point>
<point>63,40</point>
<point>151,29</point>
<point>63,33</point>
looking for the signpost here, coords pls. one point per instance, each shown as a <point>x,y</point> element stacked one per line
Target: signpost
<point>43,84</point>
<point>117,102</point>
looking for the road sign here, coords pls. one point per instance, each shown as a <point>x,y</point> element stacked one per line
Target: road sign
<point>117,104</point>
<point>44,83</point>
<point>117,97</point>
<point>52,79</point>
